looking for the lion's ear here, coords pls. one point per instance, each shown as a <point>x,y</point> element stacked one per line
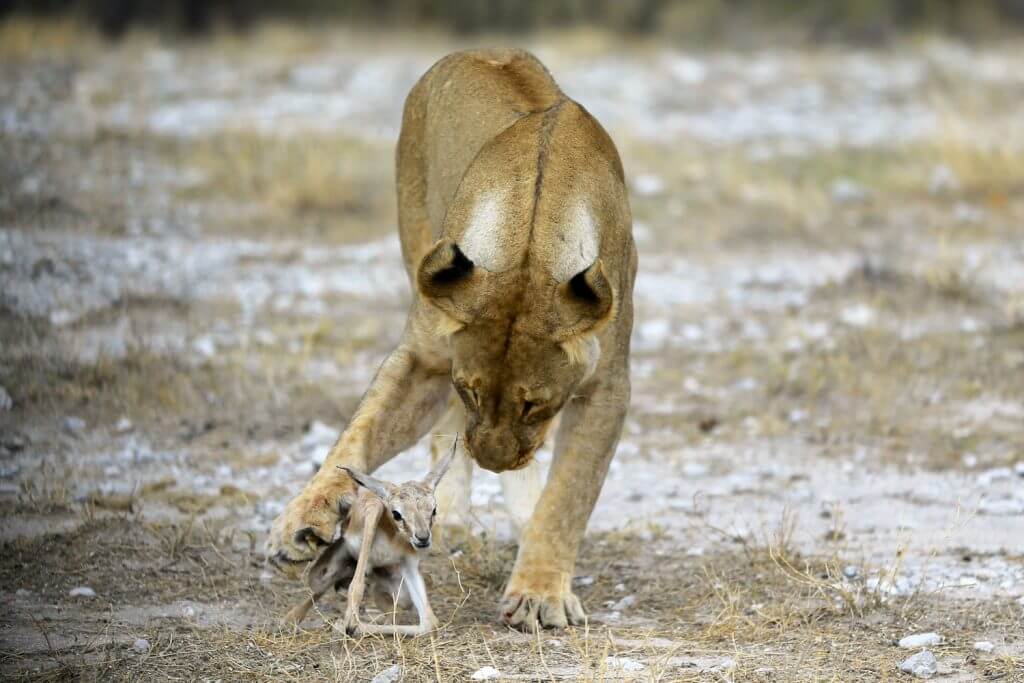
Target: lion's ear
<point>445,276</point>
<point>585,301</point>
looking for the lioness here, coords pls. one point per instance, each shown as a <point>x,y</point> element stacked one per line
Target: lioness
<point>517,237</point>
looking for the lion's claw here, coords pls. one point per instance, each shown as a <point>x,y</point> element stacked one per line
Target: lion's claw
<point>307,523</point>
<point>528,611</point>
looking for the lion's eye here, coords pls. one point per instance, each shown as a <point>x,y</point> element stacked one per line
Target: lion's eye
<point>527,407</point>
<point>397,515</point>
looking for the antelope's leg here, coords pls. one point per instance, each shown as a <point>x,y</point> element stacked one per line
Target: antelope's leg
<point>374,508</point>
<point>413,580</point>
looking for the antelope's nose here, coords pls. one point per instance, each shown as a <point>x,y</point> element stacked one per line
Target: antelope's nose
<point>421,540</point>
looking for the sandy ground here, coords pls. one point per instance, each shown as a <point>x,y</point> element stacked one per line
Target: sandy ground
<point>199,273</point>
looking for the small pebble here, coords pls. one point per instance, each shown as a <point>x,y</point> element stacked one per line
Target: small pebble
<point>123,426</point>
<point>620,587</point>
<point>583,580</point>
<point>984,646</point>
<point>920,640</point>
<point>82,592</point>
<point>851,571</point>
<point>624,603</point>
<point>624,664</point>
<point>392,674</point>
<point>486,673</point>
<point>74,425</point>
<point>141,645</point>
<point>846,191</point>
<point>6,402</point>
<point>647,184</point>
<point>922,665</point>
<point>205,346</point>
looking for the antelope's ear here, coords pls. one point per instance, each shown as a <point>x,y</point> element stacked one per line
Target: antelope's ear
<point>438,471</point>
<point>379,488</point>
<point>445,278</point>
<point>585,301</point>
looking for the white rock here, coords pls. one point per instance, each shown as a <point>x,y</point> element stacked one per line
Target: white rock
<point>318,441</point>
<point>1001,507</point>
<point>647,184</point>
<point>583,580</point>
<point>851,571</point>
<point>486,673</point>
<point>968,213</point>
<point>123,425</point>
<point>922,665</point>
<point>984,646</point>
<point>624,603</point>
<point>620,588</point>
<point>694,470</point>
<point>82,592</point>
<point>6,402</point>
<point>846,191</point>
<point>74,425</point>
<point>989,477</point>
<point>392,674</point>
<point>205,346</point>
<point>943,179</point>
<point>920,640</point>
<point>858,315</point>
<point>141,645</point>
<point>1019,469</point>
<point>624,664</point>
<point>725,664</point>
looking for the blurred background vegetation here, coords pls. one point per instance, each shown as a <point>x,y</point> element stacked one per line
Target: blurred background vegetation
<point>859,21</point>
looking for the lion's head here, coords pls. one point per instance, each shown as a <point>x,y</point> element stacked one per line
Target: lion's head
<point>520,347</point>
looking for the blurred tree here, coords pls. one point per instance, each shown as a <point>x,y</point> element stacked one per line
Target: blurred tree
<point>860,20</point>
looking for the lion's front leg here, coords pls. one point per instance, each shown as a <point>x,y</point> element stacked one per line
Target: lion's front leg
<point>404,400</point>
<point>539,591</point>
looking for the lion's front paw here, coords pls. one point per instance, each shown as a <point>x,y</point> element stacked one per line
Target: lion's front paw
<point>308,522</point>
<point>528,604</point>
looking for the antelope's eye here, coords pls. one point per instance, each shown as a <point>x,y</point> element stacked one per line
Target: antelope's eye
<point>434,513</point>
<point>397,515</point>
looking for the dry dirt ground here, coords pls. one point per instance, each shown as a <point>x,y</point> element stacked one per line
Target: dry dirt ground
<point>199,273</point>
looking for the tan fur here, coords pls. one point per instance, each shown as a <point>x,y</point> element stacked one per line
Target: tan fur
<point>521,343</point>
<point>386,529</point>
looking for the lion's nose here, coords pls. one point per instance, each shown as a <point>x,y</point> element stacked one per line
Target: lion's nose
<point>495,450</point>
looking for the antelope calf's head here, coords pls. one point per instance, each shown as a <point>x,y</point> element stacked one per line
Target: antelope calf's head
<point>411,505</point>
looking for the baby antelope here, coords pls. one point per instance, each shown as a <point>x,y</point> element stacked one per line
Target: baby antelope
<point>388,526</point>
